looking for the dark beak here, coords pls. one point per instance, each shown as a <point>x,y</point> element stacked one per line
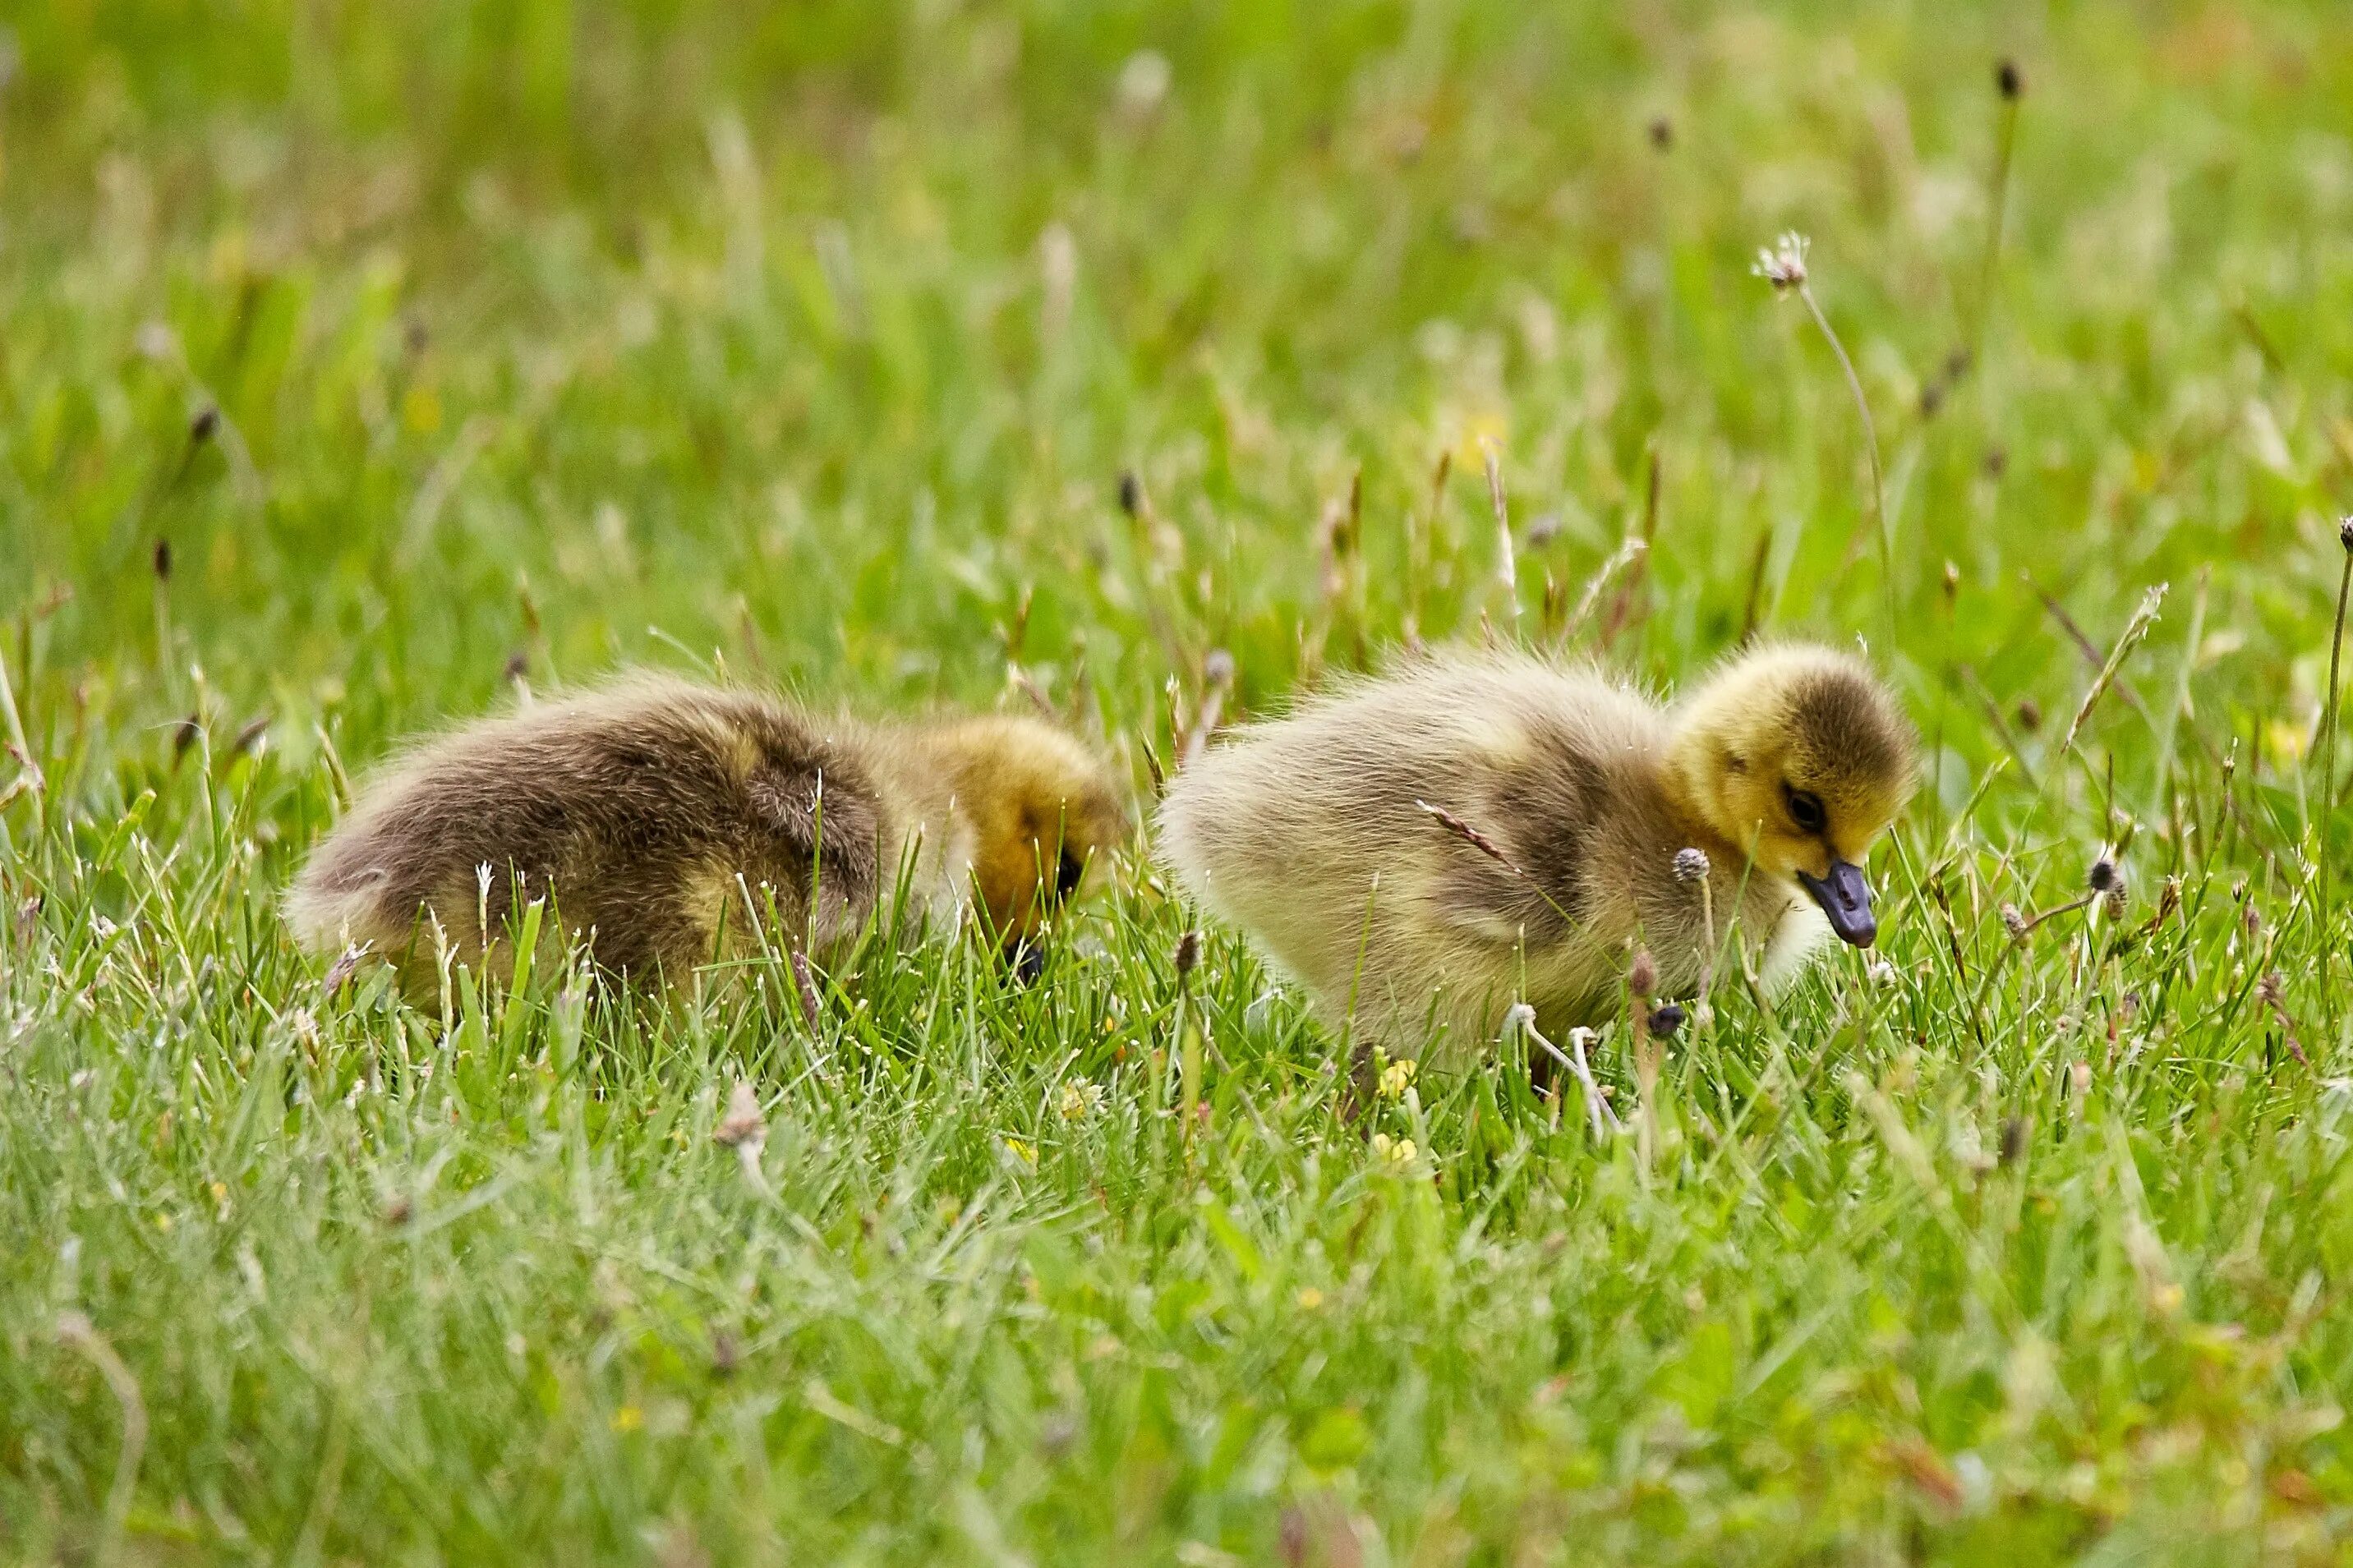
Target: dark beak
<point>1845,896</point>
<point>1028,960</point>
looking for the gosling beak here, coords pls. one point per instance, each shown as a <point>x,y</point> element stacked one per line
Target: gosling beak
<point>1026,961</point>
<point>1845,896</point>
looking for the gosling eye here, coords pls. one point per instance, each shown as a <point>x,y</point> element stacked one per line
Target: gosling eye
<point>1067,875</point>
<point>1806,809</point>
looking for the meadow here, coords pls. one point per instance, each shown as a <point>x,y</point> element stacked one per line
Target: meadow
<point>360,366</point>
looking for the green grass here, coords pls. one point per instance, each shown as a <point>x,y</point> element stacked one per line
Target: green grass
<point>809,346</point>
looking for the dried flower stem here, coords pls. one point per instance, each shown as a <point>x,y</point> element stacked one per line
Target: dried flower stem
<point>1623,610</point>
<point>2026,926</point>
<point>2138,704</point>
<point>1998,201</point>
<point>2329,776</point>
<point>1470,836</point>
<point>1706,1010</point>
<point>804,988</point>
<point>1189,1077</point>
<point>1490,848</point>
<point>2271,990</point>
<point>1022,682</point>
<point>1339,540</point>
<point>1216,680</point>
<point>2109,674</point>
<point>31,781</point>
<point>1597,1110</point>
<point>1187,1045</point>
<point>1870,444</point>
<point>2021,927</point>
<point>1151,766</point>
<point>1627,553</point>
<point>346,965</point>
<point>2134,629</point>
<point>1690,867</point>
<point>1576,1038</point>
<point>1753,604</point>
<point>743,1130</point>
<point>1507,568</point>
<point>1159,553</point>
<point>1639,979</point>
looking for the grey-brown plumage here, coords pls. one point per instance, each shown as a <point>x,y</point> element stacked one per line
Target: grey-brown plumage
<point>661,819</point>
<point>1476,829</point>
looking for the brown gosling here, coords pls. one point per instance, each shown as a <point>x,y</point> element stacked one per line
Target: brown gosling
<point>667,822</point>
<point>1423,850</point>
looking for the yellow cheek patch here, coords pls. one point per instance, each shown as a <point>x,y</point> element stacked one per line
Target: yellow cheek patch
<point>1860,823</point>
<point>1007,872</point>
<point>1782,855</point>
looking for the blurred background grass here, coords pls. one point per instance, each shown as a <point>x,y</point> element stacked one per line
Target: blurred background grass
<point>354,360</point>
<point>832,327</point>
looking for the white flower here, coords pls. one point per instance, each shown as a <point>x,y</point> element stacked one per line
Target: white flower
<point>1783,263</point>
<point>1082,1098</point>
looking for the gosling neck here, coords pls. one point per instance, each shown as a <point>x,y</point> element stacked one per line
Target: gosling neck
<point>928,815</point>
<point>946,775</point>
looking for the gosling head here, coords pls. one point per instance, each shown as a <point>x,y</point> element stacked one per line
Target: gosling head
<point>1045,812</point>
<point>1800,755</point>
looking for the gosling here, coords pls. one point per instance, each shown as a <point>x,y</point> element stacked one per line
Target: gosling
<point>669,825</point>
<point>1478,829</point>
